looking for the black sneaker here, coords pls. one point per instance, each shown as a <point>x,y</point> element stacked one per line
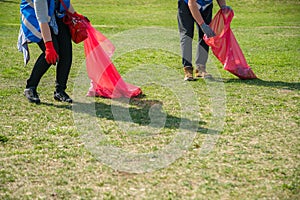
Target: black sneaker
<point>62,96</point>
<point>32,95</point>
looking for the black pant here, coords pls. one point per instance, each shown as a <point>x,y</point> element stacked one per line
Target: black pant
<point>63,46</point>
<point>186,25</point>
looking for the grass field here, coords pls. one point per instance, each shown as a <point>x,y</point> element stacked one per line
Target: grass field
<point>242,136</point>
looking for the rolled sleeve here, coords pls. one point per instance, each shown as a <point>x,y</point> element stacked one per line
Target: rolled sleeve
<point>41,10</point>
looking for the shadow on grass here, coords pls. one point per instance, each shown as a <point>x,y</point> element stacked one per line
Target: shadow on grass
<point>63,106</point>
<point>260,82</point>
<point>140,114</point>
<point>144,113</point>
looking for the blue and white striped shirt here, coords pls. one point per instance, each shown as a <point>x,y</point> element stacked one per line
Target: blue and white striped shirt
<point>33,13</point>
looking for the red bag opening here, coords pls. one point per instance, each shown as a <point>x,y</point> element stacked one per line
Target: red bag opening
<point>226,48</point>
<point>105,79</point>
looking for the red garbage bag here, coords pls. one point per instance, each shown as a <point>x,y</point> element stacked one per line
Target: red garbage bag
<point>226,48</point>
<point>105,79</point>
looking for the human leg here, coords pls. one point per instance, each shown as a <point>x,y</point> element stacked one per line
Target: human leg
<point>64,63</point>
<point>186,31</point>
<point>39,69</point>
<point>65,56</point>
<point>202,47</point>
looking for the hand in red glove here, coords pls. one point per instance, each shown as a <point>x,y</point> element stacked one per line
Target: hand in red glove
<point>80,16</point>
<point>51,55</point>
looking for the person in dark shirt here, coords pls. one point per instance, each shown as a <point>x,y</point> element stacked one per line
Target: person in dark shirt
<point>189,12</point>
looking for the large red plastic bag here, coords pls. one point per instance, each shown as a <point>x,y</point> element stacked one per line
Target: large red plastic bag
<point>105,79</point>
<point>226,48</point>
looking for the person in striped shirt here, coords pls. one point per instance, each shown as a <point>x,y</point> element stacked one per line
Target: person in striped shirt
<point>42,23</point>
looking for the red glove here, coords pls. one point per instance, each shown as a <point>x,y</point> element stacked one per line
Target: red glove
<point>51,55</point>
<point>80,16</point>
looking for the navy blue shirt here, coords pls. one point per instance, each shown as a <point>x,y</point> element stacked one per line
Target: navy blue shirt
<point>202,3</point>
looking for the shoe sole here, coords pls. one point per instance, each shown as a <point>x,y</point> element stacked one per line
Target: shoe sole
<point>188,79</point>
<point>60,100</point>
<point>33,101</point>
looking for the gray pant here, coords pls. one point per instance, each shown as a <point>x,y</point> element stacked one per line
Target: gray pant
<point>186,25</point>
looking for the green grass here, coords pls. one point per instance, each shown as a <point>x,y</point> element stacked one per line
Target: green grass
<point>46,152</point>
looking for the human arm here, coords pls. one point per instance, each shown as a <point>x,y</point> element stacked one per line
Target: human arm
<point>223,6</point>
<point>221,3</point>
<point>41,10</point>
<point>198,18</point>
<point>195,12</point>
<point>72,10</point>
<point>50,53</point>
